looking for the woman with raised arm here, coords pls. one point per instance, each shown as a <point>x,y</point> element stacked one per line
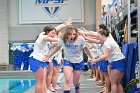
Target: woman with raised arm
<point>114,55</point>
<point>42,47</point>
<point>73,45</point>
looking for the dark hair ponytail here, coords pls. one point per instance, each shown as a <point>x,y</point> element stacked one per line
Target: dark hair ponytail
<point>104,32</point>
<point>103,26</point>
<point>47,29</point>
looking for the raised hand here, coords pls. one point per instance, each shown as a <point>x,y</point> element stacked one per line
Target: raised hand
<point>68,22</point>
<point>81,32</point>
<point>82,28</point>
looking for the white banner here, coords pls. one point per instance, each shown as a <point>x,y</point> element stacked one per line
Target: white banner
<point>50,11</point>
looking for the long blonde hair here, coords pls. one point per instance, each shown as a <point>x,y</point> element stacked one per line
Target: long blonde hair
<point>67,32</point>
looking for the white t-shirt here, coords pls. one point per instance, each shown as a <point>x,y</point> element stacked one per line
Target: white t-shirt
<point>100,50</point>
<point>73,52</point>
<point>115,53</point>
<point>41,48</point>
<point>94,51</point>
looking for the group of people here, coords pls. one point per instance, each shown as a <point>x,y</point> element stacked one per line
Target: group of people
<point>47,47</point>
<point>110,63</point>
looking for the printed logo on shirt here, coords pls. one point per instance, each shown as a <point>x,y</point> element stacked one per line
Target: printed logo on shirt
<point>49,46</point>
<point>71,46</point>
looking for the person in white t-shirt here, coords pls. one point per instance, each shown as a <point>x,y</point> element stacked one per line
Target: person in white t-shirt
<point>102,65</point>
<point>56,61</point>
<point>113,54</point>
<point>42,47</point>
<point>73,45</point>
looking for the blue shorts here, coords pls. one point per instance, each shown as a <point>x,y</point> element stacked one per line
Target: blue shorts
<point>55,64</point>
<point>104,66</point>
<point>119,65</point>
<point>36,64</point>
<point>89,64</point>
<point>75,66</point>
<point>97,64</point>
<point>94,65</point>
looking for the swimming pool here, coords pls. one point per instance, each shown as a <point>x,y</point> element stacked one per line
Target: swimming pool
<point>16,84</point>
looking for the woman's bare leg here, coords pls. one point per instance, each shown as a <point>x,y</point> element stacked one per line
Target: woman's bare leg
<point>40,77</point>
<point>115,78</point>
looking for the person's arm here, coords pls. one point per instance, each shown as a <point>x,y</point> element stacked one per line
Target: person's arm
<point>51,39</point>
<point>46,57</point>
<point>68,22</point>
<point>57,48</point>
<point>88,52</point>
<point>89,46</point>
<point>54,44</point>
<point>104,56</point>
<point>88,33</point>
<point>91,40</point>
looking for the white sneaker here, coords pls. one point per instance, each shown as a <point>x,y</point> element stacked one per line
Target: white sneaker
<point>51,89</point>
<point>90,79</point>
<point>48,91</point>
<point>95,79</point>
<point>57,88</point>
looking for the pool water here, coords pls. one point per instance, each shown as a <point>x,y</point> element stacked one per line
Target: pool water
<point>16,85</point>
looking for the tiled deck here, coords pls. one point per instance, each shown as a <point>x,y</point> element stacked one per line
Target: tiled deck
<point>86,86</point>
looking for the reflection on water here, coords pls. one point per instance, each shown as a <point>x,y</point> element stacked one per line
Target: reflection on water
<point>15,85</point>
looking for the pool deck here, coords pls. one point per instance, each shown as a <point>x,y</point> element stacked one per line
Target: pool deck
<point>16,74</point>
<point>86,85</point>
